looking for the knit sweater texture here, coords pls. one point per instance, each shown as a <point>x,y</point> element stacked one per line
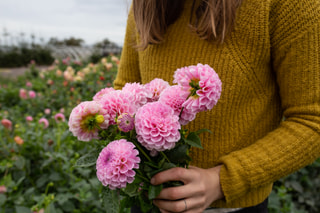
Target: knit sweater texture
<point>266,124</point>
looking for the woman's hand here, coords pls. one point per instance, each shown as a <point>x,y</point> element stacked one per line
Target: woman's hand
<point>201,187</point>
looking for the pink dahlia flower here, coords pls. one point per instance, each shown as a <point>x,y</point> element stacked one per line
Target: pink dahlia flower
<point>116,163</point>
<point>141,95</point>
<point>157,126</point>
<point>45,122</point>
<point>28,84</point>
<point>174,97</point>
<point>116,103</point>
<point>156,86</point>
<point>86,119</point>
<point>7,124</point>
<point>102,92</point>
<point>59,117</point>
<point>47,111</point>
<point>125,122</point>
<point>204,86</point>
<point>3,189</point>
<point>32,94</point>
<point>29,118</point>
<point>23,94</point>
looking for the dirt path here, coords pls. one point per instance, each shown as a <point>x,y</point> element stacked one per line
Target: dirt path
<point>15,72</point>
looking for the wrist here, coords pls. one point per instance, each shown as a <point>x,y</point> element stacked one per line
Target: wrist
<point>216,176</point>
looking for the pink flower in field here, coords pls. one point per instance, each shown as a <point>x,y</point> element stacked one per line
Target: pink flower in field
<point>174,97</point>
<point>116,163</point>
<point>47,111</point>
<point>116,103</point>
<point>23,94</point>
<point>140,93</point>
<point>32,94</point>
<point>58,73</point>
<point>29,84</point>
<point>7,124</point>
<point>18,140</point>
<point>86,119</point>
<point>157,126</point>
<point>29,118</point>
<point>50,82</point>
<point>102,92</point>
<point>68,76</point>
<point>44,122</point>
<point>108,66</point>
<point>3,189</point>
<point>204,86</point>
<point>66,61</point>
<point>59,117</point>
<point>115,59</point>
<point>156,86</point>
<point>40,211</point>
<point>125,122</point>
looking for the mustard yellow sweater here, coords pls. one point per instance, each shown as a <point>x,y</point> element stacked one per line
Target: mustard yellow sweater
<point>270,69</point>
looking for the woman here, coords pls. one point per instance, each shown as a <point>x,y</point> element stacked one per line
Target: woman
<point>266,124</point>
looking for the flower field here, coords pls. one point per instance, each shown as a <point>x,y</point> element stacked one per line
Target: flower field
<point>38,154</point>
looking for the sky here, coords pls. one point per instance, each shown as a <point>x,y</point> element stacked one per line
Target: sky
<point>91,20</point>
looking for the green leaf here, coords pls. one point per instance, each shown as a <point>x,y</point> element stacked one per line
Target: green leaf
<point>51,208</point>
<point>87,159</point>
<point>145,204</point>
<point>63,197</point>
<point>20,162</point>
<point>168,166</point>
<point>203,130</point>
<point>42,181</point>
<point>193,140</point>
<point>154,191</point>
<point>3,199</point>
<point>111,200</point>
<point>22,209</point>
<point>179,154</point>
<point>55,176</point>
<point>296,186</point>
<point>68,206</point>
<point>132,189</point>
<point>126,203</point>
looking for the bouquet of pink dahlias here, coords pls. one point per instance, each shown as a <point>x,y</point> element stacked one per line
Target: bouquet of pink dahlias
<point>139,132</point>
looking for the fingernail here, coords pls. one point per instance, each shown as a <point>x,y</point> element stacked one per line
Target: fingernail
<point>152,181</point>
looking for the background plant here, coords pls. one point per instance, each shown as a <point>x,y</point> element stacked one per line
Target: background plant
<point>37,171</point>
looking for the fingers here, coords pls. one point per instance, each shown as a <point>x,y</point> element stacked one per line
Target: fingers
<point>201,187</point>
<point>183,205</point>
<point>171,206</point>
<point>189,177</point>
<point>178,192</point>
<point>174,174</point>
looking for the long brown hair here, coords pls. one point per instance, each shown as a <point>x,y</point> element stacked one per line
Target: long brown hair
<point>214,19</point>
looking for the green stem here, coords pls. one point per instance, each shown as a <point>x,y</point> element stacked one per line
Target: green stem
<point>58,138</point>
<point>141,150</point>
<point>164,155</point>
<point>140,175</point>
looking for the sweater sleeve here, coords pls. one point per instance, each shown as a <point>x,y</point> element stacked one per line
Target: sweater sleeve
<point>129,64</point>
<point>295,50</point>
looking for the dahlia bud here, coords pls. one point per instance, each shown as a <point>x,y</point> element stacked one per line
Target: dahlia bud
<point>125,122</point>
<point>99,119</point>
